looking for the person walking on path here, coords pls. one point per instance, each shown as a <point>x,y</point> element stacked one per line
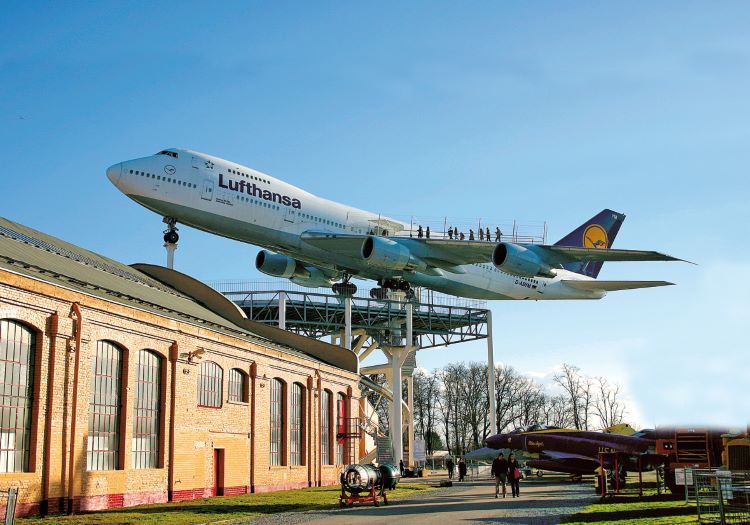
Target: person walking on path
<point>450,465</point>
<point>514,475</point>
<point>471,234</point>
<point>498,234</point>
<point>427,232</point>
<point>461,469</point>
<point>450,232</point>
<point>481,234</point>
<point>488,234</point>
<point>500,472</point>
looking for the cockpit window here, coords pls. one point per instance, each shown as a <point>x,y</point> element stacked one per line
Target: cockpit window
<point>167,152</point>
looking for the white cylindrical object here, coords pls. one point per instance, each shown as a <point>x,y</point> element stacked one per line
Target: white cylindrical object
<point>397,433</point>
<point>491,375</point>
<point>171,247</point>
<point>409,324</point>
<point>282,310</point>
<point>410,403</point>
<point>348,323</point>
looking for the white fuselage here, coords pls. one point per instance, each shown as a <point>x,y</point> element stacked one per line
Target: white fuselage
<point>227,199</point>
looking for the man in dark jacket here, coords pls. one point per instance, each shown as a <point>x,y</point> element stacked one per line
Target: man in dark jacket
<point>461,469</point>
<point>449,464</point>
<point>500,472</point>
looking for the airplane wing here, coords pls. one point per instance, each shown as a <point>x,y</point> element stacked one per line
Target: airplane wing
<point>340,243</point>
<point>612,286</point>
<point>451,254</point>
<point>436,252</point>
<point>565,254</point>
<point>555,454</point>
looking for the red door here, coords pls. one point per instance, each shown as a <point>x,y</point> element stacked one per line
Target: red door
<point>218,488</point>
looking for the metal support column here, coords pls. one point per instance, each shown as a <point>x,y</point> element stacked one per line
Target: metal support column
<point>397,431</point>
<point>410,402</point>
<point>410,381</point>
<point>348,323</point>
<point>171,247</point>
<point>409,325</point>
<point>491,375</point>
<point>282,310</point>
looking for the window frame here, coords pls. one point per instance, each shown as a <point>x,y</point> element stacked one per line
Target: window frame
<point>340,449</point>
<point>152,414</point>
<point>22,403</point>
<point>243,386</point>
<point>207,379</point>
<point>297,425</point>
<point>326,426</point>
<point>277,423</point>
<point>103,409</point>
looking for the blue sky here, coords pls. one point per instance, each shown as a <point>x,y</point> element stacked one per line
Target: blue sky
<point>530,111</point>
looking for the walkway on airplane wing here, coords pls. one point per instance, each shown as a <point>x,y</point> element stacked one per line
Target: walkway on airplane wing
<point>453,227</point>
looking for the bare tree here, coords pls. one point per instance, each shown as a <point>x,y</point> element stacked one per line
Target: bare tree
<point>608,406</point>
<point>571,381</point>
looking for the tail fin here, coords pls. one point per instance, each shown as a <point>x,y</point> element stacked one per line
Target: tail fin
<point>598,232</point>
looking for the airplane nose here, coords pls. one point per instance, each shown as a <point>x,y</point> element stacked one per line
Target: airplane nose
<point>114,172</point>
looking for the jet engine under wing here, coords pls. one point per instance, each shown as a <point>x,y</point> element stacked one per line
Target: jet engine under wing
<point>612,286</point>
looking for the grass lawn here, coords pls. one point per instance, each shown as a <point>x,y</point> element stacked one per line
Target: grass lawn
<point>652,509</point>
<point>228,509</point>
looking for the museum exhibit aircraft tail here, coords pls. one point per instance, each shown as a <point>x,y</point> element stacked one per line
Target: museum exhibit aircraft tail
<point>315,242</point>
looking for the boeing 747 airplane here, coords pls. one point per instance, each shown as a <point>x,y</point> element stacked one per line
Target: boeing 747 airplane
<point>316,242</point>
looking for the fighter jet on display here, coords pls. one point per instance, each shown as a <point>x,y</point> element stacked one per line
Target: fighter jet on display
<point>618,449</point>
<point>316,242</point>
<point>578,452</point>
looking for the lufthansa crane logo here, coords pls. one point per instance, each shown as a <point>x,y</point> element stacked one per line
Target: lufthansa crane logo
<point>169,169</point>
<point>595,237</point>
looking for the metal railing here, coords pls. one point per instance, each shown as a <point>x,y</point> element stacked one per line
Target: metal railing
<point>318,315</point>
<point>533,232</point>
<point>239,287</point>
<point>11,497</point>
<point>722,496</point>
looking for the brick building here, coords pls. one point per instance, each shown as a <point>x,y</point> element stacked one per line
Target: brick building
<point>122,385</point>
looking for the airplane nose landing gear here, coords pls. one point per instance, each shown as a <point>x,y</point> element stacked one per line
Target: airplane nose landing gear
<point>170,240</point>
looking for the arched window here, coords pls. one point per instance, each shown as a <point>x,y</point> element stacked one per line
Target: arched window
<point>326,412</point>
<point>237,385</point>
<point>297,425</point>
<point>147,420</point>
<point>210,385</point>
<point>278,416</point>
<point>17,354</point>
<point>103,448</point>
<point>340,427</point>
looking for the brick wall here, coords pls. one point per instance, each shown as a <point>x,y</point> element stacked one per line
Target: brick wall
<point>190,434</point>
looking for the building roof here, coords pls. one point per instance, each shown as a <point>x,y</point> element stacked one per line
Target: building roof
<point>155,289</point>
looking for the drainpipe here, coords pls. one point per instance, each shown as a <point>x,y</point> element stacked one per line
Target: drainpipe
<point>253,378</point>
<point>53,330</point>
<point>75,312</point>
<point>319,461</point>
<point>309,426</point>
<point>173,353</point>
<point>248,487</point>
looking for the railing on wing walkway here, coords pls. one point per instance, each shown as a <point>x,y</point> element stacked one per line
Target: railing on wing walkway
<point>238,287</point>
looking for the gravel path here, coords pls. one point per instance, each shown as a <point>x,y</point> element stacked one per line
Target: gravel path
<point>541,503</point>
